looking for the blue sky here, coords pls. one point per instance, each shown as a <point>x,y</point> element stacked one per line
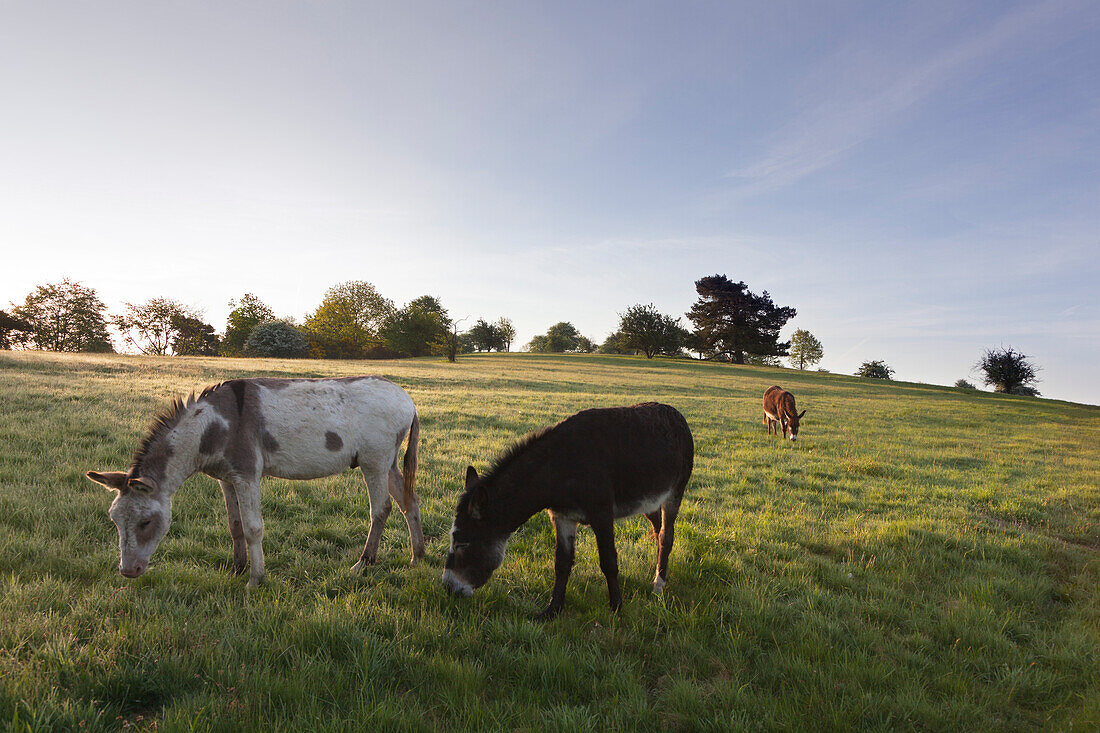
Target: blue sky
<point>920,181</point>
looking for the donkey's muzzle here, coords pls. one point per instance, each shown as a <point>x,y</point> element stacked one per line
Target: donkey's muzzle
<point>132,572</point>
<point>457,585</point>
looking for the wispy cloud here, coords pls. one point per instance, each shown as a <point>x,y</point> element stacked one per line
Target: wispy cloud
<point>825,131</point>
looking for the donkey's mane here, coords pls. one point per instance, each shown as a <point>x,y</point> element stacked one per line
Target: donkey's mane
<point>504,461</point>
<point>164,421</point>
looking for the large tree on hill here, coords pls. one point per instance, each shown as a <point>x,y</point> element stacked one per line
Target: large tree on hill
<point>806,350</point>
<point>64,316</point>
<point>418,329</point>
<point>731,320</point>
<point>246,314</point>
<point>1009,371</point>
<point>348,321</point>
<point>643,329</point>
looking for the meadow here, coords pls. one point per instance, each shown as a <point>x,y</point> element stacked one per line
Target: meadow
<point>923,558</point>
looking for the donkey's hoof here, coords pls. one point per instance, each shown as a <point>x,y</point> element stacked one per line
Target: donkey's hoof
<point>659,585</point>
<point>361,567</point>
<point>257,582</point>
<point>238,569</point>
<point>547,613</point>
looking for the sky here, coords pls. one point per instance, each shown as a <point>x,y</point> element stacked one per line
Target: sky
<point>920,181</point>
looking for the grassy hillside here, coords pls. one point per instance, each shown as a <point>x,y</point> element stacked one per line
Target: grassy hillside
<point>924,557</point>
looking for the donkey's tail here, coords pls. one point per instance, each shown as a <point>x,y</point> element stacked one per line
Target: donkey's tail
<point>410,455</point>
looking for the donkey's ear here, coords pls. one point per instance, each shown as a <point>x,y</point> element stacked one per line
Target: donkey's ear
<point>113,480</point>
<point>801,414</point>
<point>478,497</point>
<point>471,476</point>
<point>145,485</point>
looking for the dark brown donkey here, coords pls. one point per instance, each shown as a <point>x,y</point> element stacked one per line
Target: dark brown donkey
<point>779,409</point>
<point>591,468</point>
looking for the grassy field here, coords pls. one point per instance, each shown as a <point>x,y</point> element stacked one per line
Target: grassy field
<point>924,557</point>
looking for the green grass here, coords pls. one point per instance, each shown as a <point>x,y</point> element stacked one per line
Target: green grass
<point>924,557</point>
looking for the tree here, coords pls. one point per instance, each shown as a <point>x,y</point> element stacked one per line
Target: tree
<point>731,320</point>
<point>246,314</point>
<point>805,349</point>
<point>150,327</point>
<point>1008,371</point>
<point>64,316</point>
<point>348,321</point>
<point>644,329</point>
<point>506,331</point>
<point>963,384</point>
<point>193,337</point>
<point>277,339</point>
<point>758,360</point>
<point>13,331</point>
<point>484,336</point>
<point>560,338</point>
<point>616,344</point>
<point>874,370</point>
<point>418,329</point>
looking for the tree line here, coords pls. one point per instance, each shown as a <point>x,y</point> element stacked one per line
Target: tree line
<point>354,321</point>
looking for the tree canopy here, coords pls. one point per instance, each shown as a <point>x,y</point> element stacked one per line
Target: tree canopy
<point>348,321</point>
<point>561,338</point>
<point>418,329</point>
<point>806,350</point>
<point>151,326</point>
<point>246,314</point>
<point>193,337</point>
<point>875,370</point>
<point>64,316</point>
<point>731,321</point>
<point>1009,371</point>
<point>642,328</point>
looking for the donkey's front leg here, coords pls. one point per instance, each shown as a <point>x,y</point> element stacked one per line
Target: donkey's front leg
<point>380,506</point>
<point>252,521</point>
<point>565,536</point>
<point>236,528</point>
<point>604,530</point>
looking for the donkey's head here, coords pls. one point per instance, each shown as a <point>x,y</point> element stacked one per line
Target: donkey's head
<point>477,544</point>
<point>790,425</point>
<point>141,512</point>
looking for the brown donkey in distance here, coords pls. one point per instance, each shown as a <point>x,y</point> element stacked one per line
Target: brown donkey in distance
<point>779,409</point>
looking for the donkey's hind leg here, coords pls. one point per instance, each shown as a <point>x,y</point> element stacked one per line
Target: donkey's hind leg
<point>236,527</point>
<point>409,504</point>
<point>380,505</point>
<point>664,541</point>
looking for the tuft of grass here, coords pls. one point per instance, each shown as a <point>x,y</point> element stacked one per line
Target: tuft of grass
<point>923,557</point>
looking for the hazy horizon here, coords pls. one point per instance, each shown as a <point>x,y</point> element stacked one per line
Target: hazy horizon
<point>919,182</point>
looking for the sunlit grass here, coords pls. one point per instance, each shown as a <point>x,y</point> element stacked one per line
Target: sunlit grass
<point>924,557</point>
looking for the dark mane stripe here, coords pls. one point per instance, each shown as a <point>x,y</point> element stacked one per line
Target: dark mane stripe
<point>164,421</point>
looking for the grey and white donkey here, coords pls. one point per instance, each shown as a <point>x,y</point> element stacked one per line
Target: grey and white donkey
<point>243,429</point>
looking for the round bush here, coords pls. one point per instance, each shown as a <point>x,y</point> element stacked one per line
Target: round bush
<point>277,339</point>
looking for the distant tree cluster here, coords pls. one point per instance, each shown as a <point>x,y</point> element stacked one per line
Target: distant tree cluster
<point>355,321</point>
<point>561,338</point>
